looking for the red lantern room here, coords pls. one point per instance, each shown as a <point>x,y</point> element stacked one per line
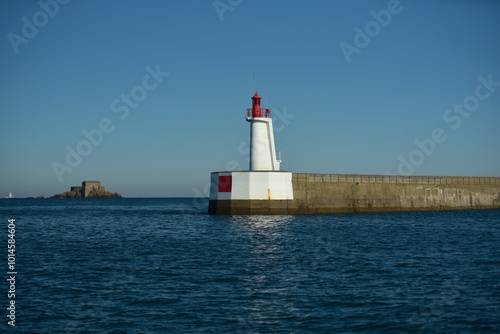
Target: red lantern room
<point>256,110</point>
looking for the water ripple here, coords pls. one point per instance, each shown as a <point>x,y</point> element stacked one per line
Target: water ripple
<point>163,265</point>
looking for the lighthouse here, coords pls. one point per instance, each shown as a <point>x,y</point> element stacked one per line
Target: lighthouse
<point>263,188</point>
<point>262,149</point>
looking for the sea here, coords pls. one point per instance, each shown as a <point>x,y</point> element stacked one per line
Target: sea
<point>163,265</point>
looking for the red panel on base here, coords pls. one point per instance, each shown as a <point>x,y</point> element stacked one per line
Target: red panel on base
<point>225,183</point>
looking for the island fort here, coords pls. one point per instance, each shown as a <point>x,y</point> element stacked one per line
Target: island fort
<point>88,189</point>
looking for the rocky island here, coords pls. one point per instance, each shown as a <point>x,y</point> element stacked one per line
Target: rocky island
<point>89,189</point>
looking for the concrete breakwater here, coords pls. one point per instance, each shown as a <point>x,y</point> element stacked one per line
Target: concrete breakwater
<point>344,193</point>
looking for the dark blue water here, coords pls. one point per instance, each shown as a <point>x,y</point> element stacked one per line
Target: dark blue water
<point>164,266</point>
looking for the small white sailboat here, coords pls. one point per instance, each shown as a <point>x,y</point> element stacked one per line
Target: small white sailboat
<point>9,195</point>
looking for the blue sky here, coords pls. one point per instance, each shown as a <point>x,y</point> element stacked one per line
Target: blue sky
<point>335,111</point>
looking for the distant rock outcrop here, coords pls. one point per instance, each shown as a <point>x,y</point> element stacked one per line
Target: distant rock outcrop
<point>89,189</point>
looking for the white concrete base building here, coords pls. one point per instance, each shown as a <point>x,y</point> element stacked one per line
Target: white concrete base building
<point>251,185</point>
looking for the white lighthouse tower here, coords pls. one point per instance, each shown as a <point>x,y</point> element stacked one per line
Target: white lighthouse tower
<point>263,189</point>
<point>262,149</point>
